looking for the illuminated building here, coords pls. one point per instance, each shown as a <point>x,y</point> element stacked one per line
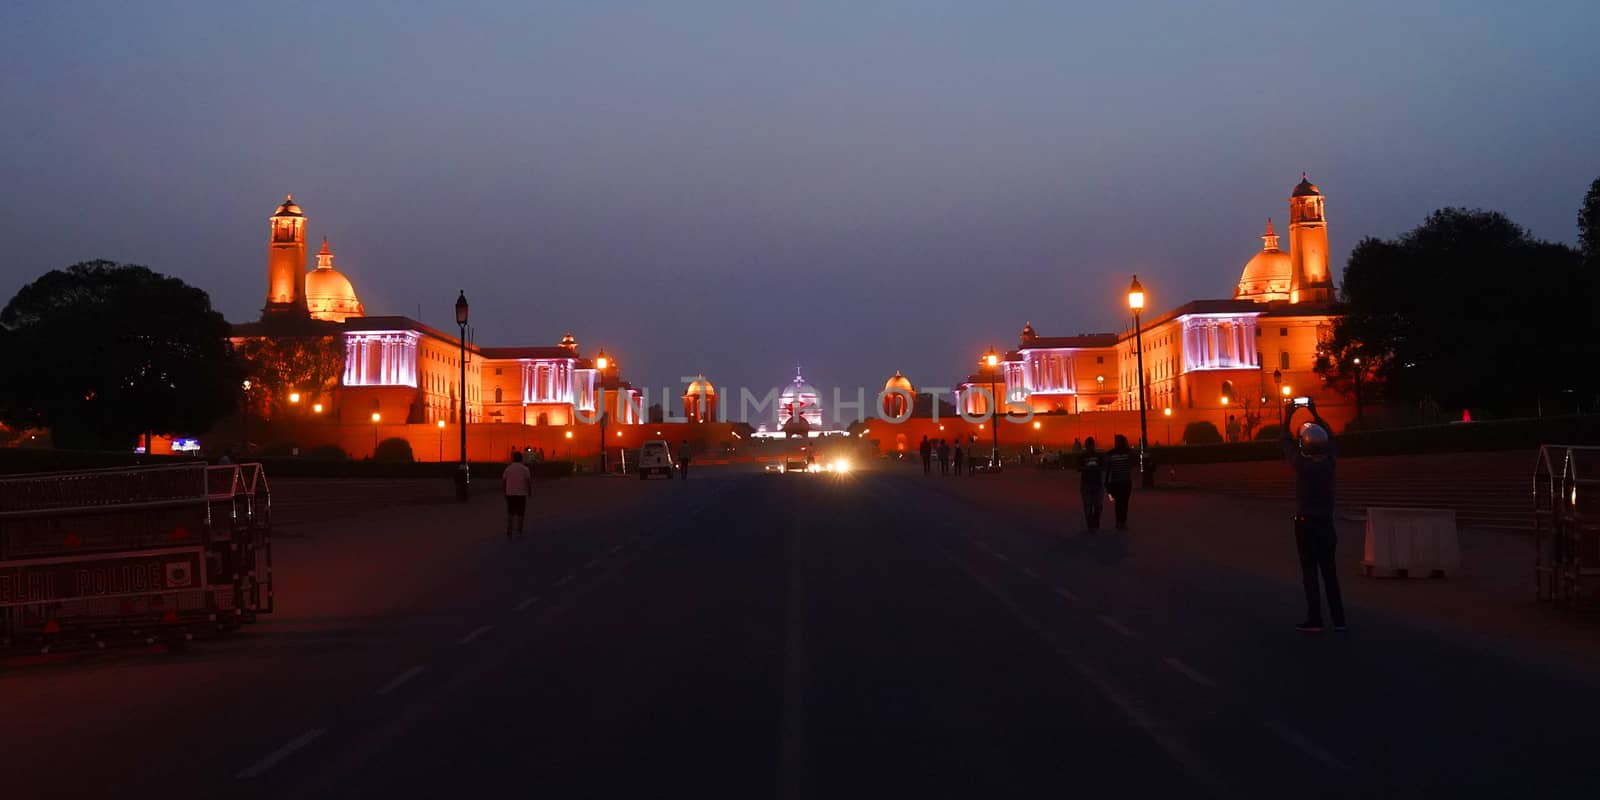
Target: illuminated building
<point>799,399</point>
<point>898,394</point>
<point>1204,359</point>
<point>408,372</point>
<point>700,400</point>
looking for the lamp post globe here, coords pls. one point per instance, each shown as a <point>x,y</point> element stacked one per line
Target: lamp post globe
<point>1136,305</point>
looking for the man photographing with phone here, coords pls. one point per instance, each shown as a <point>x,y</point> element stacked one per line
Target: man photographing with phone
<point>1311,450</point>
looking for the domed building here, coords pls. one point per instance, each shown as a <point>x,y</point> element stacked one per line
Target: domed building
<point>700,400</point>
<point>1267,274</point>
<point>897,396</point>
<point>799,399</point>
<point>330,297</point>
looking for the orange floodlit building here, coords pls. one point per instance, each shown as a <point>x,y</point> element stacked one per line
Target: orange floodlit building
<point>1205,359</point>
<point>400,372</point>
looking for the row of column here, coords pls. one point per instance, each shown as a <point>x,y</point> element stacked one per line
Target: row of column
<point>1219,343</point>
<point>380,360</point>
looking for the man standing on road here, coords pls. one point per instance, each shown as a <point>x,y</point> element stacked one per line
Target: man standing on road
<point>1313,455</point>
<point>1119,478</point>
<point>516,481</point>
<point>944,457</point>
<point>684,454</point>
<point>926,450</point>
<point>1092,484</point>
<point>957,455</point>
<point>1233,429</point>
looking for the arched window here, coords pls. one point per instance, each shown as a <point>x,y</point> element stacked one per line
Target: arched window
<point>497,396</point>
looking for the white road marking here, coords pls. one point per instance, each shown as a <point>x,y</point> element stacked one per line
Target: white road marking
<point>523,606</point>
<point>1310,748</point>
<point>1028,571</point>
<point>400,680</point>
<point>279,754</point>
<point>564,581</point>
<point>1065,594</point>
<point>1113,624</point>
<point>1188,672</point>
<point>476,632</point>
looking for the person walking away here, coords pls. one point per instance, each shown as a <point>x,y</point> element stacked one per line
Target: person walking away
<point>958,454</point>
<point>944,457</point>
<point>1092,483</point>
<point>1119,478</point>
<point>1313,454</point>
<point>972,454</point>
<point>684,456</point>
<point>515,482</point>
<point>1233,428</point>
<point>926,451</point>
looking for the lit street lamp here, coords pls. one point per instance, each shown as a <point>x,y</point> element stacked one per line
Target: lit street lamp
<point>440,423</point>
<point>1136,304</point>
<point>463,473</point>
<point>1277,380</point>
<point>992,360</point>
<point>246,385</point>
<point>1167,412</point>
<point>376,418</point>
<point>1357,362</point>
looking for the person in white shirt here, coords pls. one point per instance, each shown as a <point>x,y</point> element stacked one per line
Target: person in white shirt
<point>516,481</point>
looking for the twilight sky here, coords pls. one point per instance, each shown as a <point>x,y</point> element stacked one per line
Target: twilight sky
<point>738,186</point>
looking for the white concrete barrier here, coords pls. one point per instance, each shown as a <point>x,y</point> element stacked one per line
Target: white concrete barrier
<point>1418,542</point>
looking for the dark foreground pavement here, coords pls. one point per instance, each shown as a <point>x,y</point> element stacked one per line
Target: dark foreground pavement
<point>742,635</point>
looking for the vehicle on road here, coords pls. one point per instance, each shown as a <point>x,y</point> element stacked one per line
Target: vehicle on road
<point>655,458</point>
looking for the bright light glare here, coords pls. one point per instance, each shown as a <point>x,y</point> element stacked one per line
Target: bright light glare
<point>842,465</point>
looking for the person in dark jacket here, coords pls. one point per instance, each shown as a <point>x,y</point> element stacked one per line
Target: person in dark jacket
<point>944,457</point>
<point>926,451</point>
<point>1092,483</point>
<point>1119,478</point>
<point>1313,454</point>
<point>957,454</point>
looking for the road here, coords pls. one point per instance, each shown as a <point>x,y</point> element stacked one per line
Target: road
<point>879,634</point>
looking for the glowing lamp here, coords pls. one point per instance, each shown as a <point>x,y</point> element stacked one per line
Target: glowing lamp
<point>1225,400</point>
<point>1036,425</point>
<point>1286,390</point>
<point>569,434</point>
<point>376,417</point>
<point>1168,411</point>
<point>294,397</point>
<point>440,423</point>
<point>601,360</point>
<point>991,358</point>
<point>247,385</point>
<point>1136,295</point>
<point>461,308</point>
<point>316,408</point>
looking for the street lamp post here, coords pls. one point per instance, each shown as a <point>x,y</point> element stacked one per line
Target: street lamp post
<point>440,423</point>
<point>602,362</point>
<point>376,418</point>
<point>992,359</point>
<point>1136,304</point>
<point>1167,412</point>
<point>1277,381</point>
<point>1358,389</point>
<point>246,386</point>
<point>463,472</point>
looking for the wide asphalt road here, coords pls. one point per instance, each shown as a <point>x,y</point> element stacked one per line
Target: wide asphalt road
<point>742,635</point>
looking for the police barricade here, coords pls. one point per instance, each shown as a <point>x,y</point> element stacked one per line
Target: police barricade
<point>96,556</point>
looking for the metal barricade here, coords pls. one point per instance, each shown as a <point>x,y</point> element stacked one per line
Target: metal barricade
<point>89,554</point>
<point>1566,505</point>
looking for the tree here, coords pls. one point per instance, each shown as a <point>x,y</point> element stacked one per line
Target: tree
<point>1466,310</point>
<point>310,365</point>
<point>1589,226</point>
<point>1201,432</point>
<point>655,413</point>
<point>101,353</point>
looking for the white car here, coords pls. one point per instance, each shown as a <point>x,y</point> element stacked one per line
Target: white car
<point>655,457</point>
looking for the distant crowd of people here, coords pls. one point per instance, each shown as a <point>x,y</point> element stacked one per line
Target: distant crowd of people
<point>951,455</point>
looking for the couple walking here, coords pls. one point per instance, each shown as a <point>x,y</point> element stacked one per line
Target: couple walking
<point>1102,473</point>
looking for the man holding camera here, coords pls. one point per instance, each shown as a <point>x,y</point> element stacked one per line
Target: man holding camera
<point>1311,451</point>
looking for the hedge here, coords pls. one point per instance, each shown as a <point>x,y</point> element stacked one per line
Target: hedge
<point>1461,437</point>
<point>22,460</point>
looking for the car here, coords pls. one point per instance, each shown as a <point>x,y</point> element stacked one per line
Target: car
<point>655,457</point>
<point>794,462</point>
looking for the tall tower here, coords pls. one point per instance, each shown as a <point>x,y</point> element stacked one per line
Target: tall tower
<point>286,262</point>
<point>1310,281</point>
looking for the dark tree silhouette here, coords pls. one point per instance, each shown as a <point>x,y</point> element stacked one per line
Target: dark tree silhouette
<point>1467,310</point>
<point>101,353</point>
<point>307,364</point>
<point>1589,226</point>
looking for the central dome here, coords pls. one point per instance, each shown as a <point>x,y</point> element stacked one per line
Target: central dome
<point>1267,275</point>
<point>329,294</point>
<point>700,386</point>
<point>898,381</point>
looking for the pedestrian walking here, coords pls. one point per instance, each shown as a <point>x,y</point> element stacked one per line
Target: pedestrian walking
<point>684,456</point>
<point>926,451</point>
<point>957,454</point>
<point>972,454</point>
<point>1119,478</point>
<point>944,457</point>
<point>1313,454</point>
<point>1233,428</point>
<point>1092,483</point>
<point>515,482</point>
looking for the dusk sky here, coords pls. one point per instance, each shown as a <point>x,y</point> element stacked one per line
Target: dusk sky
<point>735,187</point>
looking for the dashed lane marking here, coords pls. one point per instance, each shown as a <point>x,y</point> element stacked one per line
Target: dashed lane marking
<point>523,606</point>
<point>1304,745</point>
<point>399,680</point>
<point>1188,672</point>
<point>1113,624</point>
<point>272,758</point>
<point>476,632</point>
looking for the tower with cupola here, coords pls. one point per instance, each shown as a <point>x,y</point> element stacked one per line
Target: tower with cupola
<point>286,262</point>
<point>1310,281</point>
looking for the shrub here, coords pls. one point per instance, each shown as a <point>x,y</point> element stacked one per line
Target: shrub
<point>327,452</point>
<point>393,449</point>
<point>1201,432</point>
<point>1269,433</point>
<point>278,449</point>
